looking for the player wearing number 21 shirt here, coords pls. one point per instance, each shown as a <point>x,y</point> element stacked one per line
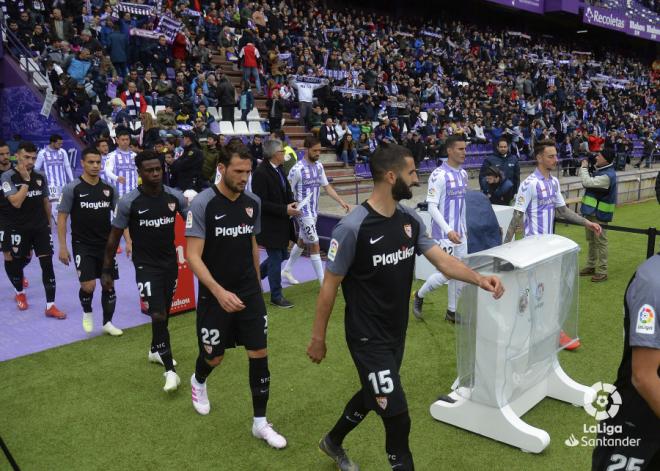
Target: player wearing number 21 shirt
<point>221,231</point>
<point>372,256</point>
<point>149,213</point>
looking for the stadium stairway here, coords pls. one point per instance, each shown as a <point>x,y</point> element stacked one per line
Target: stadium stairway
<point>343,179</point>
<point>22,94</point>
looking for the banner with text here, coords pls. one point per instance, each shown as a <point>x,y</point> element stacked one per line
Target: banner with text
<point>617,21</point>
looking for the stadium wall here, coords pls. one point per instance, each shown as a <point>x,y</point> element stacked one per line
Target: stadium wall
<point>20,112</point>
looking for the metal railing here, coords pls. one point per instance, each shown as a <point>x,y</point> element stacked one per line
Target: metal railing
<point>23,56</point>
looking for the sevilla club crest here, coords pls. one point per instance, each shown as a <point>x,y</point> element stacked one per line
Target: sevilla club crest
<point>38,182</point>
<point>106,193</point>
<point>407,228</point>
<point>249,211</point>
<point>172,206</point>
<point>382,402</point>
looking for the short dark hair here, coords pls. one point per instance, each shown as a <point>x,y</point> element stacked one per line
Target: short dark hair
<point>234,149</point>
<point>502,139</point>
<point>27,146</point>
<point>540,146</point>
<point>3,143</point>
<point>101,141</point>
<point>148,155</point>
<point>88,151</point>
<point>311,141</point>
<point>452,140</point>
<point>387,157</point>
<point>123,132</point>
<point>55,138</point>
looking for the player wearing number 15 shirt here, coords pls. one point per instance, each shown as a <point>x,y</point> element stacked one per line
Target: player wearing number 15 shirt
<point>149,213</point>
<point>221,231</point>
<point>372,255</point>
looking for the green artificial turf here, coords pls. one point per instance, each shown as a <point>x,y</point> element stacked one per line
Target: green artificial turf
<point>98,404</point>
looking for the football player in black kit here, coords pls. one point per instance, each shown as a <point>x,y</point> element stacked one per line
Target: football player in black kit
<point>635,441</point>
<point>221,230</point>
<point>5,166</point>
<point>149,213</point>
<point>29,216</point>
<point>90,203</point>
<point>372,256</point>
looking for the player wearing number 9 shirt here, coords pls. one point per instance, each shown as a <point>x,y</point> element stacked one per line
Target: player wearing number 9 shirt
<point>371,255</point>
<point>149,213</point>
<point>221,230</point>
<point>90,202</point>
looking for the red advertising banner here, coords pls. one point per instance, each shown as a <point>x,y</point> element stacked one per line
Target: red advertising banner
<point>184,296</point>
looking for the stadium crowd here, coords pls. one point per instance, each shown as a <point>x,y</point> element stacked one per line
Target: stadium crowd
<point>421,80</point>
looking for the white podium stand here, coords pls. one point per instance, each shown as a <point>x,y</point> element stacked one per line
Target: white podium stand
<point>507,349</point>
<point>424,269</point>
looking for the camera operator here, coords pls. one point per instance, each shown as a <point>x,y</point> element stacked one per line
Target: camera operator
<point>500,188</point>
<point>599,180</point>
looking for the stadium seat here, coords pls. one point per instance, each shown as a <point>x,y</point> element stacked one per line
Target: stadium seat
<point>150,110</point>
<point>240,128</point>
<point>214,112</point>
<point>226,128</point>
<point>255,128</point>
<point>253,115</point>
<point>237,114</point>
<point>159,108</point>
<point>424,115</point>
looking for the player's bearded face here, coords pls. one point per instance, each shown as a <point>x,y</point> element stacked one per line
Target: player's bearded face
<point>315,153</point>
<point>4,155</point>
<point>235,176</point>
<point>401,190</point>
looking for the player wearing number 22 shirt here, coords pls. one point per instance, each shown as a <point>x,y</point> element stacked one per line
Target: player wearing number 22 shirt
<point>372,255</point>
<point>221,231</point>
<point>149,213</point>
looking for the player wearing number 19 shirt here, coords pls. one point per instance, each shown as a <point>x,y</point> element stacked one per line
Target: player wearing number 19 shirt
<point>90,203</point>
<point>372,255</point>
<point>149,213</point>
<point>446,198</point>
<point>29,223</point>
<point>221,230</point>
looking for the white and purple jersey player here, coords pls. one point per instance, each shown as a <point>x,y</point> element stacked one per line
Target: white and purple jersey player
<point>55,165</point>
<point>121,163</point>
<point>446,189</point>
<point>537,198</point>
<point>306,179</point>
<point>102,175</point>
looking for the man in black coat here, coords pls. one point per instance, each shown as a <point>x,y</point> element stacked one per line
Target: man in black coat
<point>328,135</point>
<point>277,207</point>
<point>187,169</point>
<point>226,99</point>
<point>417,148</point>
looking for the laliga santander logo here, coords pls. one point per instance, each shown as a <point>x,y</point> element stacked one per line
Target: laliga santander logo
<point>599,407</point>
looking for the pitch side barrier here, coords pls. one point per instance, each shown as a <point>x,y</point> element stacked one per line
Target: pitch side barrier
<point>651,233</point>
